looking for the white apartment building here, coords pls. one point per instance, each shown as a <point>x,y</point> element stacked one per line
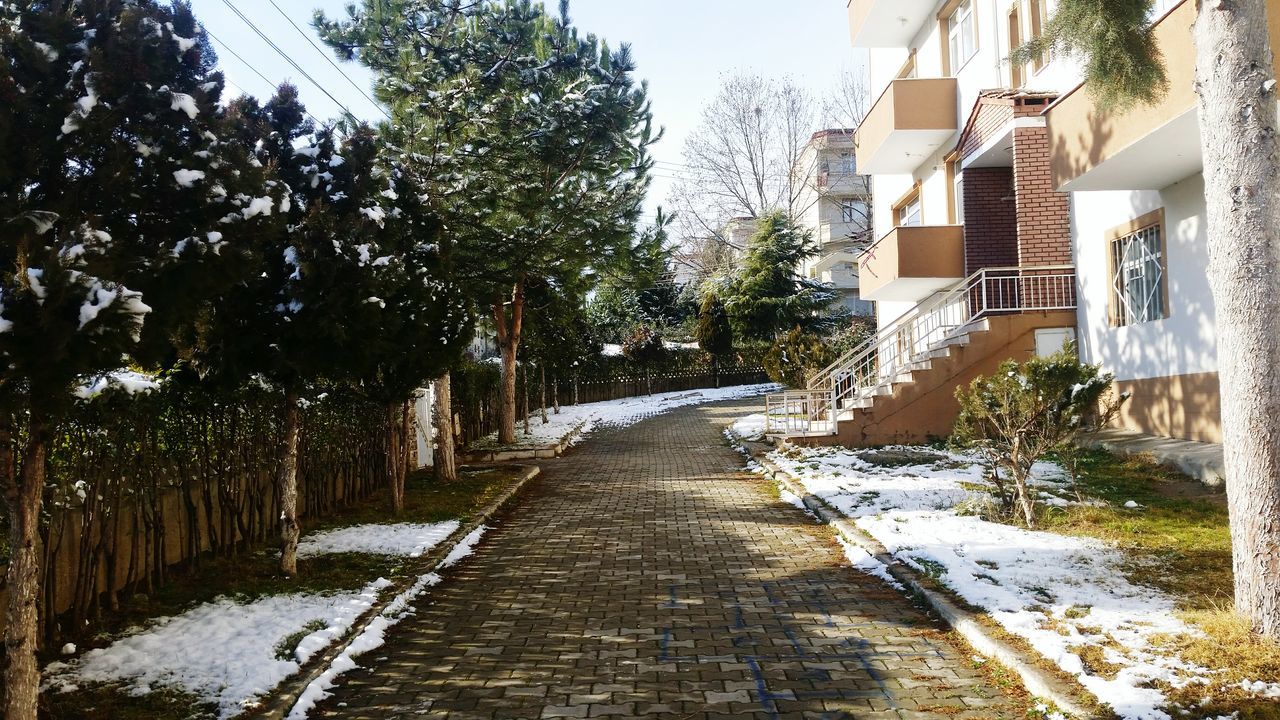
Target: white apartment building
<point>1011,214</point>
<point>834,203</point>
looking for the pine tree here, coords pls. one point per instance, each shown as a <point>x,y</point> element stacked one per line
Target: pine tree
<point>644,347</point>
<point>531,141</point>
<point>558,337</point>
<point>713,332</point>
<point>312,311</point>
<point>1236,87</point>
<point>766,297</point>
<point>126,205</point>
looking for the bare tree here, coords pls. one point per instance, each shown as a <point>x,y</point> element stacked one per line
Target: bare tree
<point>848,101</point>
<point>751,154</point>
<point>739,160</point>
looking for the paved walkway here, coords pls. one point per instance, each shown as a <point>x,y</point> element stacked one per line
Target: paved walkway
<point>646,575</point>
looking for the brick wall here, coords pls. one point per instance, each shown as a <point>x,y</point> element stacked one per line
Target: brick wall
<point>1043,231</point>
<point>990,219</point>
<point>988,119</point>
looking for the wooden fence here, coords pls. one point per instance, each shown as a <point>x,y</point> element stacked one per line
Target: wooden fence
<point>477,414</point>
<point>151,486</point>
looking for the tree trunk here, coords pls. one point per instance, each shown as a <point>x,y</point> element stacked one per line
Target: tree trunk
<point>575,389</point>
<point>524,408</point>
<point>542,393</point>
<point>555,393</point>
<point>287,487</point>
<point>446,462</point>
<point>508,329</point>
<point>1235,82</point>
<point>394,477</point>
<point>715,371</point>
<point>406,437</point>
<point>23,494</point>
<point>648,385</point>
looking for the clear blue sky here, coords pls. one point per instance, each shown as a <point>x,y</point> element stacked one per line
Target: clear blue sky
<point>681,47</point>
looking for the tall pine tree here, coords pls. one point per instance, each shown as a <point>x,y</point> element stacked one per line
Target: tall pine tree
<point>530,141</point>
<point>125,205</point>
<point>766,297</point>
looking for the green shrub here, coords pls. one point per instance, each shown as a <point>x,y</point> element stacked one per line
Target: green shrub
<point>1023,412</point>
<point>795,356</point>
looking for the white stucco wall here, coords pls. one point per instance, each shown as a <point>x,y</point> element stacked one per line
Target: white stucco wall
<point>1183,343</point>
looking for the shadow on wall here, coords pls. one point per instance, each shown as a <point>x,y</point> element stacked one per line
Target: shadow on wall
<point>1168,364</point>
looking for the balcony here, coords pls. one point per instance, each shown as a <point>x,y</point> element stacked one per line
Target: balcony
<point>910,122</point>
<point>1147,147</point>
<point>912,263</point>
<point>887,23</point>
<point>840,233</point>
<point>837,268</point>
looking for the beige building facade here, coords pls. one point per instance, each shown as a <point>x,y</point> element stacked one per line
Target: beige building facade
<point>834,203</point>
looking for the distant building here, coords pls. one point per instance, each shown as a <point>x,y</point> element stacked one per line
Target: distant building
<point>834,203</point>
<point>738,232</point>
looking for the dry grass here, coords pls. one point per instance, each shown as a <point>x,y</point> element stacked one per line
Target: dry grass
<point>1231,648</point>
<point>1179,542</point>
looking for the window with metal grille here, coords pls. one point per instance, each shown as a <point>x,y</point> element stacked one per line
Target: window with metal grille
<point>1138,281</point>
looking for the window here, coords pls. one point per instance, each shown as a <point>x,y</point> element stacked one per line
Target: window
<point>908,210</point>
<point>962,35</point>
<point>853,210</point>
<point>1137,263</point>
<point>1037,16</point>
<point>846,165</point>
<point>1015,39</point>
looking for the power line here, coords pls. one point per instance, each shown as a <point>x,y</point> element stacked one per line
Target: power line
<point>255,70</point>
<point>285,55</point>
<point>325,55</point>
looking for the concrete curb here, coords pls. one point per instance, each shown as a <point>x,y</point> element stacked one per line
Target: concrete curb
<point>1038,682</point>
<point>285,695</point>
<point>545,452</point>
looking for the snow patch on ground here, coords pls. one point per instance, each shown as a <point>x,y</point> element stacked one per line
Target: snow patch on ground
<point>374,635</point>
<point>403,539</point>
<point>866,562</point>
<point>750,427</point>
<point>371,638</point>
<point>620,413</point>
<point>131,382</point>
<point>464,548</point>
<point>1059,593</point>
<point>223,651</point>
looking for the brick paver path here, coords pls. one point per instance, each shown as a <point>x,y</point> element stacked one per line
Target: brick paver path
<point>645,574</point>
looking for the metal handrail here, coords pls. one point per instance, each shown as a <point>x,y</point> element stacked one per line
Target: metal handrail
<point>909,340</point>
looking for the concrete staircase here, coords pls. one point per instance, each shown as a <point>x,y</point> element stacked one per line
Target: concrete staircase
<point>899,387</point>
<point>918,404</point>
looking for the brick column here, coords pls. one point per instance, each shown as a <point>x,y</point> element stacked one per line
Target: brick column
<point>1044,235</point>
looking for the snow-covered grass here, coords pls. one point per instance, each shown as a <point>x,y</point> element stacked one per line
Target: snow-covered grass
<point>403,539</point>
<point>1069,597</point>
<point>232,651</point>
<point>616,413</point>
<point>223,651</point>
<point>374,634</point>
